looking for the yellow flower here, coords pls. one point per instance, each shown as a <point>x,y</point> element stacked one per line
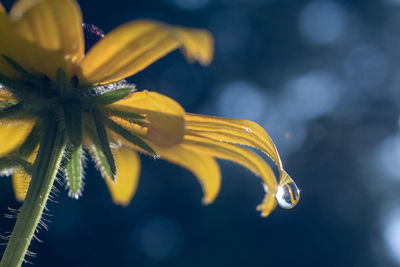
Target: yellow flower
<point>43,70</point>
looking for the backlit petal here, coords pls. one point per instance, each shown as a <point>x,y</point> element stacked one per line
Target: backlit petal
<point>21,180</point>
<point>13,134</point>
<point>133,46</point>
<point>164,124</point>
<point>204,167</point>
<point>128,171</point>
<point>233,131</point>
<point>47,35</point>
<point>242,156</point>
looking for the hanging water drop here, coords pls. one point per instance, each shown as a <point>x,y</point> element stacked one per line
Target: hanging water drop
<point>288,194</point>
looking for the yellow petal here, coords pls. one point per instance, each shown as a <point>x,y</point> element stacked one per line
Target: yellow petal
<point>165,122</point>
<point>128,170</point>
<point>196,44</point>
<point>133,46</point>
<point>2,9</point>
<point>242,132</point>
<point>204,167</point>
<point>21,180</point>
<point>46,35</point>
<point>13,134</point>
<point>242,156</point>
<point>245,133</point>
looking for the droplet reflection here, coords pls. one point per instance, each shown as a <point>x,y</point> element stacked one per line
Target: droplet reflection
<point>288,194</point>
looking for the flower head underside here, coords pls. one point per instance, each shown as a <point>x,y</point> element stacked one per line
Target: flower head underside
<point>46,74</point>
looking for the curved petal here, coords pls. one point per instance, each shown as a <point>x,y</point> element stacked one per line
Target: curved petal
<point>242,132</point>
<point>204,167</point>
<point>128,170</point>
<point>196,44</point>
<point>46,35</point>
<point>13,134</point>
<point>133,46</point>
<point>165,119</point>
<point>242,156</point>
<point>21,180</point>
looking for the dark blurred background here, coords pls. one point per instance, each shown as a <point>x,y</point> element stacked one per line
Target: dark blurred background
<point>322,77</point>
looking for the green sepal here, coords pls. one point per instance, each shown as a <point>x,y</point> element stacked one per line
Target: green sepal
<point>102,163</point>
<point>28,77</point>
<point>73,122</point>
<point>74,172</point>
<point>62,82</point>
<point>9,163</point>
<point>102,140</point>
<point>130,137</point>
<point>16,112</point>
<point>10,111</point>
<point>110,97</point>
<point>81,88</point>
<point>19,89</point>
<point>126,115</point>
<point>30,143</point>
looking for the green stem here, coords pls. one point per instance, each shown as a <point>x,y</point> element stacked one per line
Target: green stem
<point>45,169</point>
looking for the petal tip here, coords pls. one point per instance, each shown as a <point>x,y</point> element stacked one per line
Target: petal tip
<point>207,201</point>
<point>121,203</point>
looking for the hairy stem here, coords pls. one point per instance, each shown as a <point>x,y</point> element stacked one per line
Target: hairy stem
<point>44,171</point>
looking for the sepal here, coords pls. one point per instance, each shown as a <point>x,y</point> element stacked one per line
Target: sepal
<point>111,96</point>
<point>74,171</point>
<point>102,163</point>
<point>127,135</point>
<point>30,144</point>
<point>126,115</point>
<point>103,145</point>
<point>26,76</point>
<point>8,164</point>
<point>73,122</point>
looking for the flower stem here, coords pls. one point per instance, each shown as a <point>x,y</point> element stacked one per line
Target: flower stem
<point>44,171</point>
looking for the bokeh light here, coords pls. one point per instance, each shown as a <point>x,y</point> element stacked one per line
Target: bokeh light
<point>391,233</point>
<point>366,67</point>
<point>311,95</point>
<point>323,22</point>
<point>388,157</point>
<point>242,100</point>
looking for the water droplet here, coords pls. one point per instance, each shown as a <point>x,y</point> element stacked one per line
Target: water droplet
<point>288,194</point>
<point>248,130</point>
